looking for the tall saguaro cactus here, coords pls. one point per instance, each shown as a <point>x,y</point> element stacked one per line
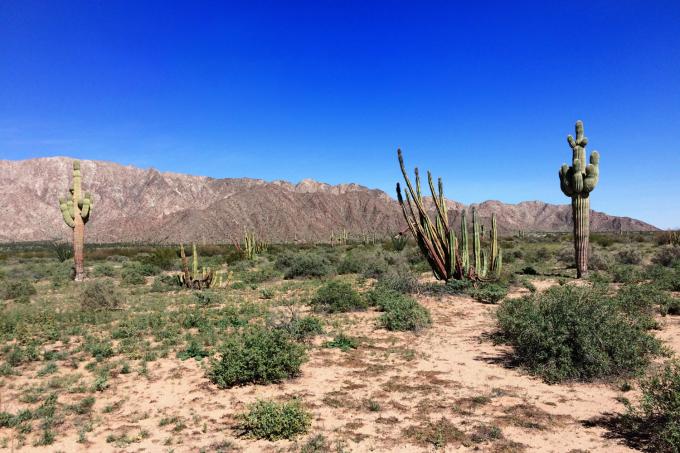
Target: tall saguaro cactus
<point>76,209</point>
<point>577,182</point>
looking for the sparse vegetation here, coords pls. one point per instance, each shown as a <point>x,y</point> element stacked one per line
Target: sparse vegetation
<point>273,421</point>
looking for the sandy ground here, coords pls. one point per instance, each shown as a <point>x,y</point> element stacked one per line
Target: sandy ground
<point>375,398</point>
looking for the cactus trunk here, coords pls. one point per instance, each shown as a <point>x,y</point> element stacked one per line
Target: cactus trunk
<point>76,211</point>
<point>580,209</point>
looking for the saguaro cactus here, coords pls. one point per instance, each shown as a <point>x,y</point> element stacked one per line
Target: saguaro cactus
<point>577,182</point>
<point>76,209</point>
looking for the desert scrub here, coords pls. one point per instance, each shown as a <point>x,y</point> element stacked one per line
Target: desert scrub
<point>301,328</point>
<point>489,293</point>
<point>572,333</point>
<point>99,295</point>
<point>400,312</point>
<point>401,280</point>
<point>629,256</point>
<point>256,355</point>
<point>337,297</point>
<point>19,290</point>
<point>343,342</point>
<point>304,264</point>
<point>667,255</point>
<point>274,421</point>
<point>104,270</point>
<point>658,413</point>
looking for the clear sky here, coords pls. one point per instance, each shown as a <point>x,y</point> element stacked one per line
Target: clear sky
<point>482,93</point>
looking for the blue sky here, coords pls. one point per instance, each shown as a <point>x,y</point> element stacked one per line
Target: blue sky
<point>482,93</point>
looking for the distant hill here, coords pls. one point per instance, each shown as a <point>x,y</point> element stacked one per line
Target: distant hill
<point>133,204</point>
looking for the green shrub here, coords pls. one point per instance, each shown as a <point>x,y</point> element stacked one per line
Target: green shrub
<point>401,280</point>
<point>667,255</point>
<point>664,277</point>
<point>489,293</point>
<point>575,333</point>
<point>641,301</point>
<point>132,274</point>
<point>528,285</point>
<point>260,275</point>
<point>99,295</point>
<point>274,421</point>
<point>163,283</point>
<point>163,258</point>
<point>401,313</point>
<point>599,260</point>
<point>625,273</point>
<point>207,297</point>
<point>343,342</point>
<point>629,256</point>
<point>104,270</point>
<point>301,329</point>
<point>304,264</point>
<point>337,297</point>
<point>256,355</point>
<point>658,414</point>
<point>19,290</point>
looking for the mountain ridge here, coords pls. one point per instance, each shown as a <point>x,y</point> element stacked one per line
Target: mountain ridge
<point>135,204</point>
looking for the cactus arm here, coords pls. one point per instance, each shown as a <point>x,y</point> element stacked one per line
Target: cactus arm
<point>86,206</point>
<point>66,212</point>
<point>565,183</point>
<point>592,172</point>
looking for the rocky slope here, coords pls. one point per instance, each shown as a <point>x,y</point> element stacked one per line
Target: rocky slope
<point>133,204</point>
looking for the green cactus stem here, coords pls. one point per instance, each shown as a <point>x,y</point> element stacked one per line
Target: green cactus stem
<point>436,239</point>
<point>195,279</point>
<point>576,182</point>
<point>75,210</point>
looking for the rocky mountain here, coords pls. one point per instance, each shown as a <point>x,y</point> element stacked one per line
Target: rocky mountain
<point>133,204</point>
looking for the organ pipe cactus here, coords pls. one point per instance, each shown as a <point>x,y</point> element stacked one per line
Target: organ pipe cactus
<point>76,208</point>
<point>205,278</point>
<point>577,181</point>
<point>437,240</point>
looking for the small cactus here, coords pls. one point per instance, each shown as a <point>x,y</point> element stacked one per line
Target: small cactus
<point>577,181</point>
<point>76,209</point>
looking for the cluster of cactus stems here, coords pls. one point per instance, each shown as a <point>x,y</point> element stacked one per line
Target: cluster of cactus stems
<point>576,182</point>
<point>197,279</point>
<point>252,246</point>
<point>448,258</point>
<point>76,209</point>
<point>342,238</point>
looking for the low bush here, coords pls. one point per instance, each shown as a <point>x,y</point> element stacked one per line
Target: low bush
<point>572,333</point>
<point>100,295</point>
<point>163,258</point>
<point>667,255</point>
<point>599,260</point>
<point>629,256</point>
<point>489,293</point>
<point>104,270</point>
<point>401,313</point>
<point>337,297</point>
<point>301,329</point>
<point>256,355</point>
<point>19,290</point>
<point>132,274</point>
<point>626,273</point>
<point>640,302</point>
<point>658,415</point>
<point>207,297</point>
<point>304,264</point>
<point>274,421</point>
<point>163,283</point>
<point>343,342</point>
<point>401,280</point>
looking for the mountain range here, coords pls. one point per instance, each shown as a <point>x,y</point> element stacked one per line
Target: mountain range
<point>144,205</point>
